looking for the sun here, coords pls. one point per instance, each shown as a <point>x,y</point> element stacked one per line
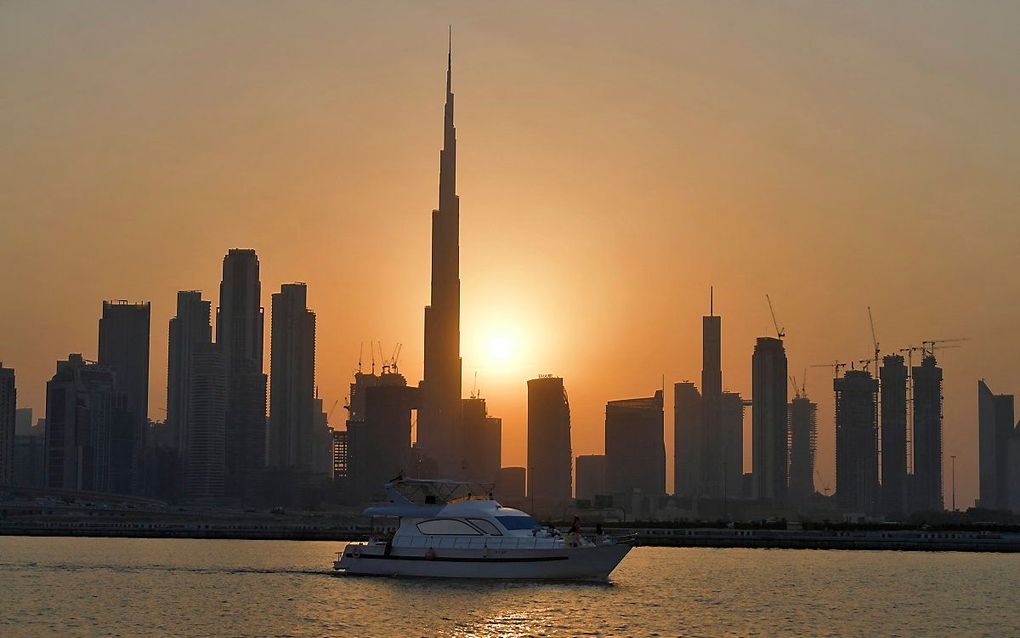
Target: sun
<point>501,349</point>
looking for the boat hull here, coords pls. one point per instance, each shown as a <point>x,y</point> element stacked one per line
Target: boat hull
<point>581,563</point>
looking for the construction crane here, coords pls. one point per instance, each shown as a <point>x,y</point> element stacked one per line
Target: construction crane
<point>835,365</point>
<point>874,339</point>
<point>793,384</point>
<point>779,331</point>
<point>929,347</point>
<point>330,413</point>
<point>825,486</point>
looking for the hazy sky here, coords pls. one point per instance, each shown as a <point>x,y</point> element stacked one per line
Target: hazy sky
<point>616,159</point>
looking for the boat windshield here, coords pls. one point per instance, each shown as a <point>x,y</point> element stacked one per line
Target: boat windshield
<point>518,522</point>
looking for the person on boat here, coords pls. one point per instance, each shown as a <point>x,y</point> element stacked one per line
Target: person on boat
<point>574,535</point>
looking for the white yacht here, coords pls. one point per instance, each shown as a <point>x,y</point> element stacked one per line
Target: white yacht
<point>449,529</point>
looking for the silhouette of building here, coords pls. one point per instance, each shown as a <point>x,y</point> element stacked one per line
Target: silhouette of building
<point>189,328</point>
<point>379,431</point>
<point>510,485</point>
<point>803,429</point>
<point>995,433</point>
<point>124,348</point>
<point>89,429</point>
<point>926,487</point>
<point>893,375</point>
<point>205,467</point>
<point>856,441</point>
<point>712,438</point>
<point>591,476</point>
<point>688,440</point>
<point>29,450</point>
<point>292,438</point>
<point>340,455</point>
<point>483,442</point>
<point>8,410</point>
<point>549,455</point>
<point>731,422</point>
<point>635,451</point>
<point>239,333</point>
<point>322,440</point>
<point>440,423</point>
<point>769,420</point>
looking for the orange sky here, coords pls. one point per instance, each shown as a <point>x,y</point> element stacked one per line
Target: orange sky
<point>615,160</point>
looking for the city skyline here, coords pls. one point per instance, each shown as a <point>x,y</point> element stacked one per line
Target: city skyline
<point>505,302</point>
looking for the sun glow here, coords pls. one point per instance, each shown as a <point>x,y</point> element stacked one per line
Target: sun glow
<point>501,349</point>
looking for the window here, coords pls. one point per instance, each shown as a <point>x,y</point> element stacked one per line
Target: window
<point>518,522</point>
<point>446,526</point>
<point>485,526</point>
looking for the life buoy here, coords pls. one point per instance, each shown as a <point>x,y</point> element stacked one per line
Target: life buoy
<point>356,552</point>
<point>430,554</point>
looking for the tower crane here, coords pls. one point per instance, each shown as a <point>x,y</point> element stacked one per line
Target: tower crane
<point>930,346</point>
<point>779,331</point>
<point>874,339</point>
<point>835,365</point>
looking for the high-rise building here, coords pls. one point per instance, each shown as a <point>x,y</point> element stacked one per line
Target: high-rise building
<point>483,442</point>
<point>926,487</point>
<point>440,423</point>
<point>893,375</point>
<point>712,436</point>
<point>22,419</point>
<point>803,429</point>
<point>856,441</point>
<point>635,450</point>
<point>687,439</point>
<point>124,348</point>
<point>549,456</point>
<point>89,429</point>
<point>8,410</point>
<point>769,419</point>
<point>205,454</point>
<point>591,476</point>
<point>239,332</point>
<point>29,451</point>
<point>379,431</point>
<point>292,440</point>
<point>341,459</point>
<point>995,432</point>
<point>731,423</point>
<point>191,327</point>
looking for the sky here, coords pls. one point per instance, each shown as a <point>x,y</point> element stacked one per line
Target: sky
<point>615,160</point>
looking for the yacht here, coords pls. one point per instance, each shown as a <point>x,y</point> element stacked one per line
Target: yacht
<point>448,529</point>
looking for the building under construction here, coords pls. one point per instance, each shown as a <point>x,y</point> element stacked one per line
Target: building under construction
<point>926,488</point>
<point>803,430</point>
<point>893,375</point>
<point>856,441</point>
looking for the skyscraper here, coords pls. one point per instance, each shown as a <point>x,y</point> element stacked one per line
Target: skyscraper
<point>549,455</point>
<point>8,409</point>
<point>239,331</point>
<point>379,431</point>
<point>926,488</point>
<point>205,453</point>
<point>191,327</point>
<point>440,422</point>
<point>483,442</point>
<point>292,436</point>
<point>995,430</point>
<point>124,349</point>
<point>712,438</point>
<point>894,435</point>
<point>687,439</point>
<point>769,419</point>
<point>635,450</point>
<point>856,441</point>
<point>89,429</point>
<point>731,422</point>
<point>803,428</point>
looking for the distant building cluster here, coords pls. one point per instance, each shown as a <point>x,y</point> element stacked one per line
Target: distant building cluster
<point>235,436</point>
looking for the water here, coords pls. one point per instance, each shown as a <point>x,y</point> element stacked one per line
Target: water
<point>133,587</point>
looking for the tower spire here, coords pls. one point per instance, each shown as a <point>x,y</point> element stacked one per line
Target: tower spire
<point>449,64</point>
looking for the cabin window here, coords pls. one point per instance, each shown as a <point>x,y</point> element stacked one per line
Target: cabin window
<point>518,522</point>
<point>447,526</point>
<point>485,526</point>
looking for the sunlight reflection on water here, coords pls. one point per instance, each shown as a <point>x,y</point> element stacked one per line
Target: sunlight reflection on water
<point>247,588</point>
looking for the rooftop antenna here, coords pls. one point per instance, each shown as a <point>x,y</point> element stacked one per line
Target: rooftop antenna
<point>711,301</point>
<point>371,346</point>
<point>474,388</point>
<point>874,339</point>
<point>361,351</point>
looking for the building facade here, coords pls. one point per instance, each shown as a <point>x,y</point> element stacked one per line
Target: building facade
<point>893,376</point>
<point>803,431</point>
<point>191,327</point>
<point>8,412</point>
<point>635,450</point>
<point>549,452</point>
<point>770,455</point>
<point>856,441</point>
<point>292,437</point>
<point>926,486</point>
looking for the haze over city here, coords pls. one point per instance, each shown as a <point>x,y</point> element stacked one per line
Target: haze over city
<point>613,165</point>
